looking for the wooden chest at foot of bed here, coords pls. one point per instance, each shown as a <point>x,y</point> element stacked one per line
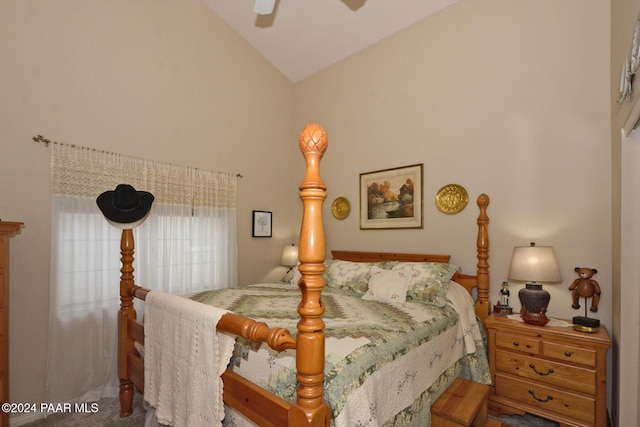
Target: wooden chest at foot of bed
<point>464,404</point>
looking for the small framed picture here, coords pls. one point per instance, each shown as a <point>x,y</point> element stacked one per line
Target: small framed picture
<point>261,224</point>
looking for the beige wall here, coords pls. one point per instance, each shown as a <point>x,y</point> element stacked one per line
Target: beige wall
<point>510,98</point>
<point>507,98</point>
<point>167,81</point>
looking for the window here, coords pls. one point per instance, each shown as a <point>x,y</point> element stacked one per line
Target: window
<point>187,244</point>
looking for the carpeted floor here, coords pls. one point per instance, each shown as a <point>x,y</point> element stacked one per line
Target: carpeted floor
<point>107,415</point>
<point>526,421</point>
<point>108,409</point>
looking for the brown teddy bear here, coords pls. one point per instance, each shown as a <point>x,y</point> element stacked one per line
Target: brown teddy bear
<point>585,287</point>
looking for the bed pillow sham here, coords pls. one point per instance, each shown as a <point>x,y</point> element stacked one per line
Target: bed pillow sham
<point>387,285</point>
<point>352,277</point>
<point>347,276</point>
<point>429,281</point>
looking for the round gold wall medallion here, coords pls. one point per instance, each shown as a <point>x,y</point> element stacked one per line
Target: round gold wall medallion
<point>451,199</point>
<point>340,208</point>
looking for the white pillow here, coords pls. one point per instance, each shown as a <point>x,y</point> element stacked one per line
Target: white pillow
<point>388,285</point>
<point>430,281</point>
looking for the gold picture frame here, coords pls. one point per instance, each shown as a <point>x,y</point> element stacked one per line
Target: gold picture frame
<point>392,198</point>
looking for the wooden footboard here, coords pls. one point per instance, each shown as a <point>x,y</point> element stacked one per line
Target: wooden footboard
<point>256,403</point>
<point>259,405</point>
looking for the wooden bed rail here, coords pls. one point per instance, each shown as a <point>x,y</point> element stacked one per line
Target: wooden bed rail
<point>278,339</point>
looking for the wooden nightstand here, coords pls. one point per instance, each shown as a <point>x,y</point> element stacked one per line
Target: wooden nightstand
<point>552,372</point>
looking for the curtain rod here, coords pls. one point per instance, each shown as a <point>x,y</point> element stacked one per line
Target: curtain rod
<point>47,141</point>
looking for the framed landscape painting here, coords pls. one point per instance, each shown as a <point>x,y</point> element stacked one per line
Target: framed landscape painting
<point>391,198</point>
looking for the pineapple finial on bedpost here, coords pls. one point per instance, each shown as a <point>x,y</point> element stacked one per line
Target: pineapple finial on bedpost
<point>310,408</point>
<point>313,143</point>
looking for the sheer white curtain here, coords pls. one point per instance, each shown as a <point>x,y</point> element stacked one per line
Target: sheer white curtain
<point>187,244</point>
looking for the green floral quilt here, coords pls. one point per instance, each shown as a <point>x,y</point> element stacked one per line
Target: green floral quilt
<point>385,363</point>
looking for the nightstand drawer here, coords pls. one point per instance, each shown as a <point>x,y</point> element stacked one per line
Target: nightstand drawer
<point>549,372</point>
<point>548,399</point>
<point>583,356</point>
<point>518,343</point>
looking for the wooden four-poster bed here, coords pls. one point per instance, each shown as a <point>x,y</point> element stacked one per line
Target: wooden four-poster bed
<point>308,405</point>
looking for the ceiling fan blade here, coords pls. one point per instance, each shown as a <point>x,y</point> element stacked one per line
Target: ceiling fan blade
<point>264,7</point>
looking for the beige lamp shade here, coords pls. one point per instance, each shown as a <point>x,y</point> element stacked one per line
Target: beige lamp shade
<point>289,256</point>
<point>534,264</point>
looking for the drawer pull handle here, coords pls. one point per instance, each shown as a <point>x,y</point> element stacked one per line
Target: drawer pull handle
<point>549,371</point>
<point>516,343</point>
<point>568,353</point>
<point>532,393</point>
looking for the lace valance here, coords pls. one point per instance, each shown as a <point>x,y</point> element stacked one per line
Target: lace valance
<point>84,172</point>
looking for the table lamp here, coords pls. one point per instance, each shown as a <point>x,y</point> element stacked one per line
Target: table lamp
<point>289,256</point>
<point>534,264</point>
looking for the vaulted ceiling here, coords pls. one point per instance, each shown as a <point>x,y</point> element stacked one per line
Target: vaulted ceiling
<point>302,37</point>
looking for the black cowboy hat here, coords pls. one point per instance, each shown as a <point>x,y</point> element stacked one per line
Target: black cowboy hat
<point>125,205</point>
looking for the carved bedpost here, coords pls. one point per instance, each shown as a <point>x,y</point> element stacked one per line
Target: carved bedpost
<point>310,408</point>
<point>483,305</point>
<point>125,344</point>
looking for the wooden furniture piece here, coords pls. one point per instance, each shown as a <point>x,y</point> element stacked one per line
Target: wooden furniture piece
<point>552,372</point>
<point>463,404</point>
<point>257,404</point>
<point>262,407</point>
<point>7,229</point>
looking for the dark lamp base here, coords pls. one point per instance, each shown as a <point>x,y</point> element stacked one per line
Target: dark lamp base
<point>586,321</point>
<point>535,301</point>
<point>538,319</point>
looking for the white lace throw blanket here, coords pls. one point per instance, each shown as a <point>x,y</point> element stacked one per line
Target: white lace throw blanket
<point>184,358</point>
